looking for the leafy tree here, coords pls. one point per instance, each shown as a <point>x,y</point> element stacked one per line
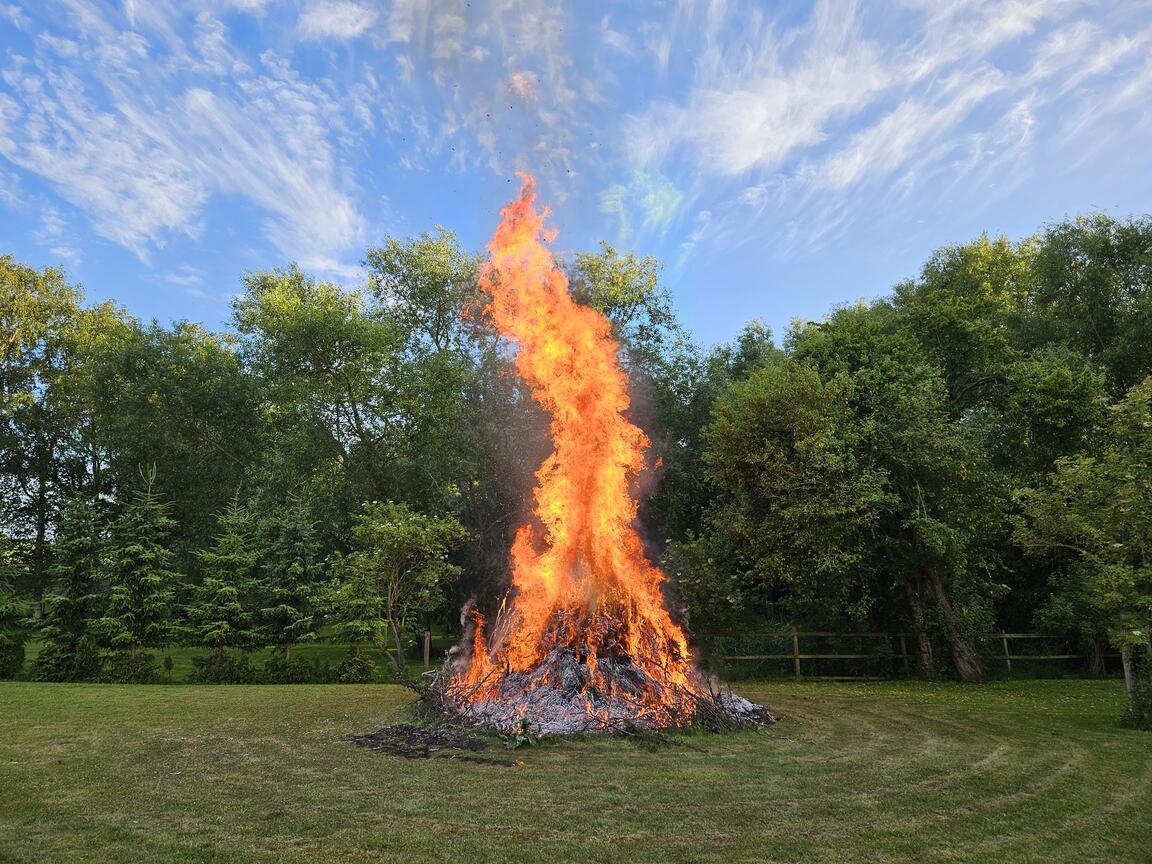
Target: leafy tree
<point>324,356</point>
<point>793,524</point>
<point>961,309</point>
<point>626,289</point>
<point>221,612</point>
<point>398,569</point>
<point>1098,508</point>
<point>137,565</point>
<point>1055,404</point>
<point>69,651</point>
<point>426,283</point>
<point>289,589</point>
<point>1094,292</point>
<point>179,399</point>
<point>37,312</point>
<point>942,524</point>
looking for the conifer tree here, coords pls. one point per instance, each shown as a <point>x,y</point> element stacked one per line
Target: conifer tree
<point>69,651</point>
<point>221,611</point>
<point>138,566</point>
<point>360,620</point>
<point>13,629</point>
<point>289,577</point>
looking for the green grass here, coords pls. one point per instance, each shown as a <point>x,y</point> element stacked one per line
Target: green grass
<point>1034,771</point>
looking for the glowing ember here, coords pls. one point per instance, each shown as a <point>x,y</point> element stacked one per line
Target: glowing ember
<point>586,641</point>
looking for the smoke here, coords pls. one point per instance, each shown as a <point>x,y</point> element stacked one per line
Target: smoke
<point>493,83</point>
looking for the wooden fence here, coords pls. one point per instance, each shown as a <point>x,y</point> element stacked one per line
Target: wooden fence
<point>1003,651</point>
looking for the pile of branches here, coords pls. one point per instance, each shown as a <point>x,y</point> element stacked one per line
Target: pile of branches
<point>560,696</point>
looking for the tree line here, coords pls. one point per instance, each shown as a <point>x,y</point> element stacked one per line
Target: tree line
<point>970,452</point>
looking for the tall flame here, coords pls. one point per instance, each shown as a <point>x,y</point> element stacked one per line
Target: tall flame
<point>581,578</point>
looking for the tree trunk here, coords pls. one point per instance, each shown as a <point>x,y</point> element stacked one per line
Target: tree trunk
<point>39,552</point>
<point>1097,661</point>
<point>924,659</point>
<point>398,641</point>
<point>964,656</point>
<point>1129,677</point>
<point>132,650</point>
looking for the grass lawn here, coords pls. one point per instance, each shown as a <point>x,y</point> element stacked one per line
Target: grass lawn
<point>1033,771</point>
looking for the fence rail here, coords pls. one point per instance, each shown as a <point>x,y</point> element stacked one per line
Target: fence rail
<point>904,655</point>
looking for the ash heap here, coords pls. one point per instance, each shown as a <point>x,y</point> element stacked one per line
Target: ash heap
<point>585,643</point>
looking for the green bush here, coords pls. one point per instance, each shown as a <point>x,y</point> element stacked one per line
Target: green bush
<point>57,662</point>
<point>228,669</point>
<point>357,668</point>
<point>11,658</point>
<point>123,669</point>
<point>294,670</point>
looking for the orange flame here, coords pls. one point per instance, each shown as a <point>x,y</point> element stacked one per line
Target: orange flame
<point>581,581</point>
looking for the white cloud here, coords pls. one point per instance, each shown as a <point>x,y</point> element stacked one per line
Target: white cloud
<point>336,19</point>
<point>133,186</point>
<point>783,127</point>
<point>117,131</point>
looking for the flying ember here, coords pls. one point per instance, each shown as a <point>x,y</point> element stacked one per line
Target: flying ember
<point>584,642</point>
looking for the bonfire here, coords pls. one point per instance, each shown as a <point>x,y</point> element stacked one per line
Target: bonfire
<point>584,640</point>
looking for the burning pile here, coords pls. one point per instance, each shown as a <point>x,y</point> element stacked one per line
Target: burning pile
<point>586,642</point>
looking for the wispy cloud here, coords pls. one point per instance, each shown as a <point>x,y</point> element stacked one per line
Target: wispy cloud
<point>141,116</point>
<point>336,19</point>
<point>795,130</point>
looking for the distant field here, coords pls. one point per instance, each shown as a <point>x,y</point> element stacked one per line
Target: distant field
<point>879,772</point>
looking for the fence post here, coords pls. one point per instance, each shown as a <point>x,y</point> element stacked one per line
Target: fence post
<point>796,651</point>
<point>1007,653</point>
<point>427,649</point>
<point>904,652</point>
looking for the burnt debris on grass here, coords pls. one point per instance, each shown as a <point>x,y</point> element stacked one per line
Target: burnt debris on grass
<point>410,741</point>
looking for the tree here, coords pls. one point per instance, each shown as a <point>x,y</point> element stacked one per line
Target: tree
<point>960,311</point>
<point>289,576</point>
<point>359,613</point>
<point>13,616</point>
<point>38,310</point>
<point>941,527</point>
<point>137,565</point>
<point>793,523</point>
<point>1098,508</point>
<point>325,358</point>
<point>69,651</point>
<point>626,290</point>
<point>179,399</point>
<point>1094,292</point>
<point>404,555</point>
<point>221,612</point>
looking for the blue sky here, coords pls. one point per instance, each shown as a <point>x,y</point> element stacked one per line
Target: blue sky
<point>779,158</point>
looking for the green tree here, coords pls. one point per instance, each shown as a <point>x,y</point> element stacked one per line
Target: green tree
<point>626,289</point>
<point>404,554</point>
<point>941,529</point>
<point>289,580</point>
<point>798,509</point>
<point>1098,508</point>
<point>1094,292</point>
<point>13,614</point>
<point>177,398</point>
<point>137,565</point>
<point>69,651</point>
<point>221,611</point>
<point>38,310</point>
